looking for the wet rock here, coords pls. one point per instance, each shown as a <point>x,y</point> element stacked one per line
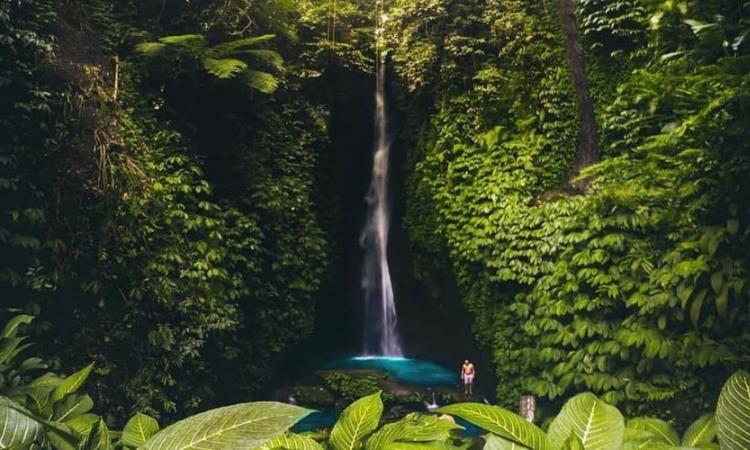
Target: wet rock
<point>317,397</point>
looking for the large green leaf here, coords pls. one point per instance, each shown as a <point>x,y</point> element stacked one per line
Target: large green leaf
<point>243,426</point>
<point>11,347</point>
<point>435,445</point>
<point>11,327</point>
<point>494,442</point>
<point>356,422</point>
<point>97,439</point>
<point>291,441</point>
<point>573,443</point>
<point>501,422</point>
<point>733,413</point>
<point>658,429</point>
<point>413,428</point>
<point>598,425</point>
<point>700,432</point>
<point>18,427</point>
<point>139,429</point>
<point>71,384</point>
<point>82,424</point>
<point>72,406</point>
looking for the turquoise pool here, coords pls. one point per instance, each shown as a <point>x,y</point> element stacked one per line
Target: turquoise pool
<point>406,370</point>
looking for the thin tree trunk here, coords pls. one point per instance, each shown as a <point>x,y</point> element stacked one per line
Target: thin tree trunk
<point>588,141</point>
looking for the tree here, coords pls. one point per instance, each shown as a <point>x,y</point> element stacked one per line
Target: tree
<point>588,146</point>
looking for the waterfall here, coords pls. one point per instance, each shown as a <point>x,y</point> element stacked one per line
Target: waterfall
<point>381,336</point>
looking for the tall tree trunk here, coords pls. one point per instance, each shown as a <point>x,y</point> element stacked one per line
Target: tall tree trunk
<point>588,145</point>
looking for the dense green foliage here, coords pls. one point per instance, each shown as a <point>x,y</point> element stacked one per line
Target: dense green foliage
<point>160,243</point>
<point>637,289</point>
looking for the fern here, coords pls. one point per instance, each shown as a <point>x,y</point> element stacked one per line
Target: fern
<point>224,61</point>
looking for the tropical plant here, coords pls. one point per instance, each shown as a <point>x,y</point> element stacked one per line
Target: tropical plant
<point>586,422</point>
<point>224,61</point>
<point>265,426</point>
<point>46,409</point>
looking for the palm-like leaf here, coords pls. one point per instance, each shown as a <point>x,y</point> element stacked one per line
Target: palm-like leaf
<point>598,425</point>
<point>246,426</point>
<point>501,422</point>
<point>357,421</point>
<point>733,413</point>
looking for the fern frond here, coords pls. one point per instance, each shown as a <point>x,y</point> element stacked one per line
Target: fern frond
<point>227,48</point>
<point>261,81</point>
<point>268,56</point>
<point>191,43</point>
<point>224,68</point>
<point>150,48</point>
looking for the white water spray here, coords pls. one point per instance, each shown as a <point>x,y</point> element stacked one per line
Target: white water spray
<point>381,336</point>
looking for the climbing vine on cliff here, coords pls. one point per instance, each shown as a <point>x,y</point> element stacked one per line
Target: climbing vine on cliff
<point>636,288</point>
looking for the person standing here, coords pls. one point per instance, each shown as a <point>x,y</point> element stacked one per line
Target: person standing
<point>467,376</point>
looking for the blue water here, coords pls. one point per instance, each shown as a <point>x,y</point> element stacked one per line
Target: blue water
<point>316,421</point>
<point>405,370</point>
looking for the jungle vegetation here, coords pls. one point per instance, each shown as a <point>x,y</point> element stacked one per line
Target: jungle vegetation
<point>579,169</point>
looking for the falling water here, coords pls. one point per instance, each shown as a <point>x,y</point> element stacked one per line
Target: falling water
<point>381,337</point>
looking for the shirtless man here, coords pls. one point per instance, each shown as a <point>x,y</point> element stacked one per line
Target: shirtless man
<point>467,376</point>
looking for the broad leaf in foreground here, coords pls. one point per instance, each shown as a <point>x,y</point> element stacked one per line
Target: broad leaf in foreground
<point>18,428</point>
<point>598,425</point>
<point>493,442</point>
<point>733,413</point>
<point>246,425</point>
<point>658,430</point>
<point>72,383</point>
<point>412,428</point>
<point>139,429</point>
<point>501,422</point>
<point>291,441</point>
<point>700,432</point>
<point>357,421</point>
